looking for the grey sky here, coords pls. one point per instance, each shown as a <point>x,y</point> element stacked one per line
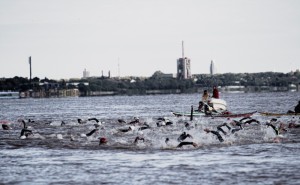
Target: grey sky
<point>66,36</point>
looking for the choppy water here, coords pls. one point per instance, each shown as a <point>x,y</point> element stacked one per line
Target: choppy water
<point>249,156</point>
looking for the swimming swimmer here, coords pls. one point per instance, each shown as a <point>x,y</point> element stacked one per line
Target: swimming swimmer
<point>136,120</point>
<point>294,125</point>
<point>25,133</point>
<point>216,133</point>
<point>102,141</point>
<point>183,136</point>
<point>139,139</point>
<point>186,143</point>
<point>121,121</point>
<point>145,126</point>
<point>188,126</point>
<point>5,127</point>
<point>233,130</point>
<point>278,130</point>
<point>93,119</point>
<point>250,120</point>
<point>92,132</point>
<point>62,123</point>
<point>80,121</point>
<point>167,141</point>
<point>127,129</point>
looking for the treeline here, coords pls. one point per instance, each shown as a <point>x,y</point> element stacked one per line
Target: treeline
<point>250,79</point>
<point>157,81</point>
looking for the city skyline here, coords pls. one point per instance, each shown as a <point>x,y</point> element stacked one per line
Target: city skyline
<point>137,38</point>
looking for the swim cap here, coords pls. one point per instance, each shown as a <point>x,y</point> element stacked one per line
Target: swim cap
<point>103,140</point>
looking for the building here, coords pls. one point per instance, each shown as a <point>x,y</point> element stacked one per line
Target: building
<point>86,74</point>
<point>183,66</point>
<point>212,68</point>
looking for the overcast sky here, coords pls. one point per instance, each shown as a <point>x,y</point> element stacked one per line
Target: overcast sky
<point>66,36</point>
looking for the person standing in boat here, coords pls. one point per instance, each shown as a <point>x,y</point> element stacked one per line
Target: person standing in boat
<point>216,93</point>
<point>297,109</point>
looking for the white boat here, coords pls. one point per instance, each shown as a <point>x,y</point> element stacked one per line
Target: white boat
<point>218,104</point>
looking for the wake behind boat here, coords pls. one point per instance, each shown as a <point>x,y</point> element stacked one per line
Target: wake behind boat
<point>219,115</point>
<point>278,114</point>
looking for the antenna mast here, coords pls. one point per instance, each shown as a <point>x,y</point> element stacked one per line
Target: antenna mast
<point>30,70</point>
<point>182,50</point>
<point>119,67</point>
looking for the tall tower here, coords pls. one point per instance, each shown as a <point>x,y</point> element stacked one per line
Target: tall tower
<point>86,74</point>
<point>183,66</point>
<point>30,70</point>
<point>212,68</point>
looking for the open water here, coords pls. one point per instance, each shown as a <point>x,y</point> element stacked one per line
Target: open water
<point>60,154</point>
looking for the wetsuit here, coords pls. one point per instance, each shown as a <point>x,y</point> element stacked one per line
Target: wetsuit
<point>92,132</point>
<point>220,128</point>
<point>218,135</point>
<point>125,130</point>
<point>138,138</point>
<point>25,132</point>
<point>215,133</point>
<point>274,128</point>
<point>5,127</point>
<point>94,119</point>
<point>183,136</point>
<point>186,143</point>
<point>233,130</point>
<point>248,121</point>
<point>134,121</point>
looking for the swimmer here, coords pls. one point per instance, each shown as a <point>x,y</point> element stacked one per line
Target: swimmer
<point>62,123</point>
<point>188,126</point>
<point>279,130</point>
<point>139,138</point>
<point>121,121</point>
<point>183,136</point>
<point>5,127</point>
<point>93,119</point>
<point>220,128</point>
<point>186,143</point>
<point>80,121</point>
<point>25,133</point>
<point>216,133</point>
<point>92,132</point>
<point>164,123</point>
<point>166,120</point>
<point>233,130</point>
<point>294,125</point>
<point>127,129</point>
<point>167,141</point>
<point>136,120</point>
<point>250,120</point>
<point>145,126</point>
<point>102,141</point>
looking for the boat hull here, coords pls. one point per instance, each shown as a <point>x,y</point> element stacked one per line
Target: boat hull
<point>201,114</point>
<point>278,114</point>
<point>218,104</point>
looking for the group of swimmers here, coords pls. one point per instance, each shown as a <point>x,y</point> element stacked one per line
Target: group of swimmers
<point>229,127</point>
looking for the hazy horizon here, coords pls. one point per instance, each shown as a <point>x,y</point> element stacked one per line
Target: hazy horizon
<point>139,37</point>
